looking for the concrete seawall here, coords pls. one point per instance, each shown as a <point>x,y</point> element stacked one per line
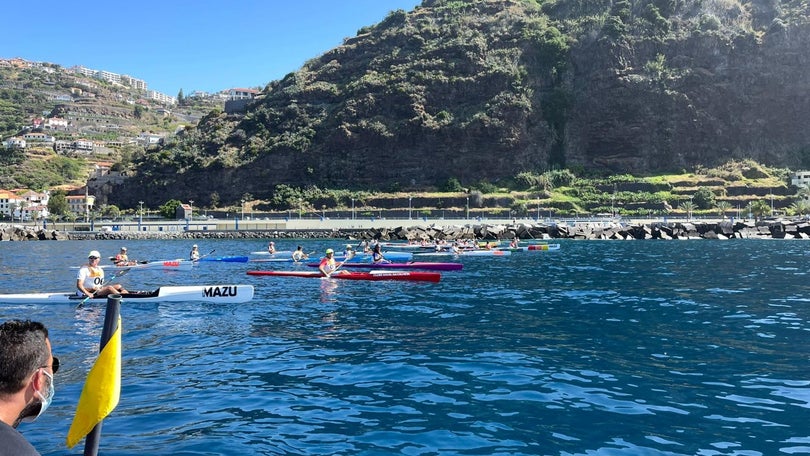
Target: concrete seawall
<point>781,229</point>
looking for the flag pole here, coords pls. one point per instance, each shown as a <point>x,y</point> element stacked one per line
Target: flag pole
<point>110,323</point>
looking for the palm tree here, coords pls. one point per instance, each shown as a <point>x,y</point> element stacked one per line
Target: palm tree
<point>759,208</point>
<point>688,207</point>
<point>800,207</point>
<point>723,207</point>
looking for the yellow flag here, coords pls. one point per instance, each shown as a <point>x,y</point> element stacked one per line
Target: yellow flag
<point>101,391</point>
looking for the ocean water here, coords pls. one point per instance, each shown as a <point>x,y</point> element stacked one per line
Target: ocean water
<point>600,348</point>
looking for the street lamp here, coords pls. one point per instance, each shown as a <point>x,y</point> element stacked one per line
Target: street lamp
<point>191,208</point>
<point>468,207</point>
<point>691,206</point>
<point>409,207</point>
<point>242,206</point>
<point>352,208</point>
<point>140,215</point>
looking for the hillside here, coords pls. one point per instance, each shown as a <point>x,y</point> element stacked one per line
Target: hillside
<point>109,115</point>
<point>483,90</point>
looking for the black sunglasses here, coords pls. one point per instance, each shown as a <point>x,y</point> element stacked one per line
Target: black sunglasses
<point>54,366</point>
<point>92,258</point>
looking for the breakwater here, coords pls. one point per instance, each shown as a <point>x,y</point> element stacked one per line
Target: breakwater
<point>779,229</point>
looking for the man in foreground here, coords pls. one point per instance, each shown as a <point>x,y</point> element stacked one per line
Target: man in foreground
<point>27,367</point>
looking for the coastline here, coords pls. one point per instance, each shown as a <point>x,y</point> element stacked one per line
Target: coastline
<point>434,230</point>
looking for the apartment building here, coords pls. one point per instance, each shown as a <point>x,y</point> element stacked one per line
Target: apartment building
<point>9,201</point>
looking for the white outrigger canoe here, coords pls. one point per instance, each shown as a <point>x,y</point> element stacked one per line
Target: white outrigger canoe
<point>221,294</point>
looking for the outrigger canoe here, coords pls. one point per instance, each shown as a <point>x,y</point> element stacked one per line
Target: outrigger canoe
<point>276,253</point>
<point>411,276</point>
<point>229,259</point>
<point>430,266</point>
<point>221,294</point>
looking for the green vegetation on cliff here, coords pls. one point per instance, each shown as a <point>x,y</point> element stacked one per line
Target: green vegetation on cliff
<point>483,91</point>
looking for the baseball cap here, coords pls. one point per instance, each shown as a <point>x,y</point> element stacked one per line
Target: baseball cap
<point>124,249</point>
<point>194,246</point>
<point>94,253</point>
<point>329,251</point>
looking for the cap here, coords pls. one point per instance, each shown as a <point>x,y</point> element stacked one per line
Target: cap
<point>348,247</point>
<point>328,251</point>
<point>124,249</point>
<point>272,243</point>
<point>194,246</point>
<point>94,253</point>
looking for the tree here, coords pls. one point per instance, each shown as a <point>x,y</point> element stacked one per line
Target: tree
<point>452,185</point>
<point>800,207</point>
<point>723,207</point>
<point>687,207</point>
<point>759,208</point>
<point>169,209</point>
<point>704,198</point>
<point>57,204</point>
<point>180,98</point>
<point>112,211</point>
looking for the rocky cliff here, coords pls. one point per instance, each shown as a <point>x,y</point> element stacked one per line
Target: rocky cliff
<point>480,90</point>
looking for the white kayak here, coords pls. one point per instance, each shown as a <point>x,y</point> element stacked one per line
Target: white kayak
<point>222,294</point>
<point>276,253</point>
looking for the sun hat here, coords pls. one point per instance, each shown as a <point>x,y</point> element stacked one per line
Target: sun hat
<point>328,251</point>
<point>94,253</point>
<point>194,246</point>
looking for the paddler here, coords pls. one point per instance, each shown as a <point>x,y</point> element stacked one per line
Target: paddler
<point>194,255</point>
<point>90,280</point>
<point>299,254</point>
<point>328,265</point>
<point>122,259</point>
<point>271,249</point>
<point>377,256</point>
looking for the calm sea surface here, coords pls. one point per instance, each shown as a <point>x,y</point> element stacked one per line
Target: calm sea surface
<point>600,348</point>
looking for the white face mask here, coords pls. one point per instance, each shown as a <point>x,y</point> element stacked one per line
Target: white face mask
<point>46,400</point>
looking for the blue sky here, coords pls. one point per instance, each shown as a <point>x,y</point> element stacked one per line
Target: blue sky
<point>189,45</point>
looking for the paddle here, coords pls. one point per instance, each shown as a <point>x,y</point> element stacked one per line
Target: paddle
<point>207,254</point>
<point>305,257</point>
<point>105,282</point>
<point>132,261</point>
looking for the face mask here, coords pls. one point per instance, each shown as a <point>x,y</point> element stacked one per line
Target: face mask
<point>46,401</point>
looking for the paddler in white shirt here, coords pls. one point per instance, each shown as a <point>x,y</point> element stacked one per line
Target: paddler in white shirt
<point>299,254</point>
<point>90,280</point>
<point>271,249</point>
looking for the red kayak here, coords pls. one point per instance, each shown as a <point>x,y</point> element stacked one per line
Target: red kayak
<point>413,276</point>
<point>425,265</point>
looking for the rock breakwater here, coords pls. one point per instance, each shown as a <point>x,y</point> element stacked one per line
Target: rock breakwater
<point>781,229</point>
